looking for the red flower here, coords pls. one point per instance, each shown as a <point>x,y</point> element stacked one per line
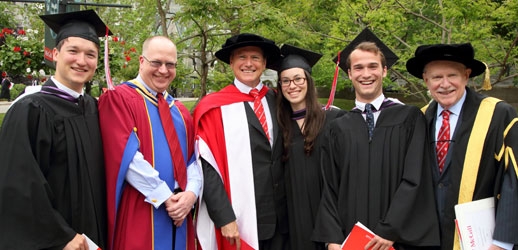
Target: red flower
<point>29,76</point>
<point>26,53</point>
<point>17,48</point>
<point>128,58</point>
<point>1,34</point>
<point>21,32</point>
<point>115,39</point>
<point>28,62</point>
<point>133,49</point>
<point>123,42</point>
<point>7,31</point>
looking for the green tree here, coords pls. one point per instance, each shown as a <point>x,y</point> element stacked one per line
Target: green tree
<point>199,28</point>
<point>209,23</point>
<point>405,24</point>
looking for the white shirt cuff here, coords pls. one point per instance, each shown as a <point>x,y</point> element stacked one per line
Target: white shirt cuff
<point>159,195</point>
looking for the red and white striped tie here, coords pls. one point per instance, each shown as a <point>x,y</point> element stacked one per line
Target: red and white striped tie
<point>259,111</point>
<point>443,140</point>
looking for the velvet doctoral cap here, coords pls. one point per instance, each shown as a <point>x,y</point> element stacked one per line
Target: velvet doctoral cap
<point>366,36</point>
<point>84,24</point>
<point>270,51</point>
<point>294,57</point>
<point>461,53</point>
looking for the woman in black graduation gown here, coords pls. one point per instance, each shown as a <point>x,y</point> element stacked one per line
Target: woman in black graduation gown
<point>301,118</point>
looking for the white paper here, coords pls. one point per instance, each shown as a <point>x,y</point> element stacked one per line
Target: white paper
<point>476,223</point>
<point>91,244</point>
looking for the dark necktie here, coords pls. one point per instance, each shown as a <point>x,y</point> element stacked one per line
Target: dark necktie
<point>172,139</point>
<point>369,118</point>
<point>259,110</point>
<point>443,139</point>
<point>81,102</point>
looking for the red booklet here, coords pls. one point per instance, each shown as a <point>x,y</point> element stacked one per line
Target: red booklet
<point>358,238</point>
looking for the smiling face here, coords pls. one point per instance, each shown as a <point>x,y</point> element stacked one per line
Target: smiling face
<point>76,62</point>
<point>446,81</point>
<point>248,63</point>
<point>294,93</point>
<point>158,49</point>
<point>366,73</point>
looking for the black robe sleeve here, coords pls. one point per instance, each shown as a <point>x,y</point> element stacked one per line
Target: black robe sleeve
<point>506,229</point>
<point>328,227</point>
<point>214,194</point>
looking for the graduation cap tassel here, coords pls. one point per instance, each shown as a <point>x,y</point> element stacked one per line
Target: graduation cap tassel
<point>333,86</point>
<point>487,80</point>
<point>109,81</point>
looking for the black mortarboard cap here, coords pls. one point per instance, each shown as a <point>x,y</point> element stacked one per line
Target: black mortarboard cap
<point>85,24</point>
<point>294,57</point>
<point>366,36</point>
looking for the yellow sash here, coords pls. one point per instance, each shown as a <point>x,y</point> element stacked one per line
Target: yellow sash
<point>474,153</point>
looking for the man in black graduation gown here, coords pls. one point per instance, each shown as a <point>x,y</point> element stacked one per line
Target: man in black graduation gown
<point>52,176</point>
<point>378,177</point>
<point>484,156</point>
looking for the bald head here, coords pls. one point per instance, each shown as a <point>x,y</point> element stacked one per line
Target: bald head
<point>153,41</point>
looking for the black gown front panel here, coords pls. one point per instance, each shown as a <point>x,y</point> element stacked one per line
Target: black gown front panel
<point>385,183</point>
<point>52,175</point>
<point>304,186</point>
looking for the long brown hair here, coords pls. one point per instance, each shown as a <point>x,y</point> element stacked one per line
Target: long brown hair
<point>313,120</point>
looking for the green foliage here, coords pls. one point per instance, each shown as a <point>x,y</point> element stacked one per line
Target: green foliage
<point>340,103</point>
<point>6,20</point>
<point>199,28</point>
<point>22,53</point>
<point>16,90</point>
<point>21,50</point>
<point>95,91</point>
<point>1,119</point>
<point>130,27</point>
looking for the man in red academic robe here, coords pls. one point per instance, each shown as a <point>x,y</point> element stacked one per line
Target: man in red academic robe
<point>243,203</point>
<point>148,203</point>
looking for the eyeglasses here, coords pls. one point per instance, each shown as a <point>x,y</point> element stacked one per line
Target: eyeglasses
<point>437,79</point>
<point>158,64</point>
<point>296,80</point>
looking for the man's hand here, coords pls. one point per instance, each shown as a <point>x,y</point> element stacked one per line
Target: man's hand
<point>77,243</point>
<point>231,233</point>
<point>378,243</point>
<point>179,205</point>
<point>333,246</point>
